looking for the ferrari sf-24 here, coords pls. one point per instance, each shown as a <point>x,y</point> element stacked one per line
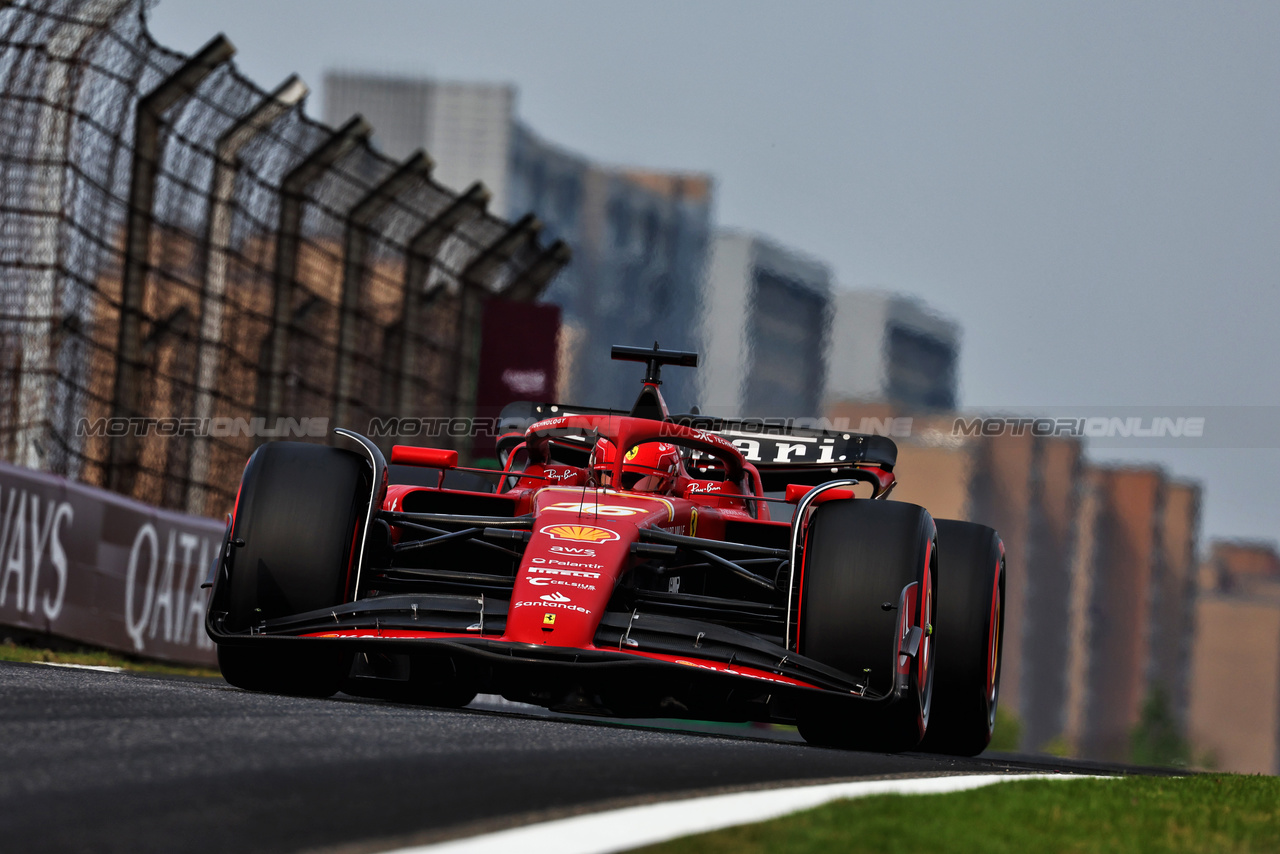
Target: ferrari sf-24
<point>637,564</point>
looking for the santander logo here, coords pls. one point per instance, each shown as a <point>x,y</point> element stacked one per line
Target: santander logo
<point>554,597</point>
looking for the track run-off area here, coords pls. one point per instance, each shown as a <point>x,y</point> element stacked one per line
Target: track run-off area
<point>102,761</point>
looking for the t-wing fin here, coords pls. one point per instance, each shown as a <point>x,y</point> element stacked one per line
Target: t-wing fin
<point>650,404</point>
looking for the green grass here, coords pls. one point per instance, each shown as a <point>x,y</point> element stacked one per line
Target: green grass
<point>10,651</point>
<point>1204,813</point>
<point>1007,734</point>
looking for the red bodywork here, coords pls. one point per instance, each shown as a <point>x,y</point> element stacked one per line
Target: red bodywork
<point>582,535</point>
<point>556,589</point>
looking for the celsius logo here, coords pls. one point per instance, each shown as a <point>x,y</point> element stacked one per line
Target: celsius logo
<point>547,582</point>
<point>554,597</point>
<point>581,533</point>
<point>573,550</point>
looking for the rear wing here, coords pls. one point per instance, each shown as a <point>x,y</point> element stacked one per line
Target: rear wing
<point>786,454</point>
<point>781,452</point>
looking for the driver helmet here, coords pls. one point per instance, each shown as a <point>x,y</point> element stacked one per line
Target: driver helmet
<point>650,467</point>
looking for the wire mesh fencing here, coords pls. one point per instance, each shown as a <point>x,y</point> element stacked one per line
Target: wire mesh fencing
<point>189,264</point>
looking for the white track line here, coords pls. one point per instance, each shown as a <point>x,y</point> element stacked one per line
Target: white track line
<point>102,668</point>
<point>632,827</point>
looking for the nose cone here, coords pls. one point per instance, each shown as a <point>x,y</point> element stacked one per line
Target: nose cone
<point>565,581</point>
<point>579,551</point>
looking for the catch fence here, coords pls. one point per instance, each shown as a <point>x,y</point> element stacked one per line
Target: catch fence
<point>188,263</point>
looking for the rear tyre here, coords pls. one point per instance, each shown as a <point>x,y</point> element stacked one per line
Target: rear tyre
<point>861,555</point>
<point>970,633</point>
<point>299,515</point>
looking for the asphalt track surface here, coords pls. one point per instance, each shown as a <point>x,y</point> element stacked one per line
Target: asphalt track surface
<point>93,761</point>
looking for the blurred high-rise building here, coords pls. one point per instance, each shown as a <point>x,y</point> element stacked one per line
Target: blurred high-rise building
<point>765,330</point>
<point>1131,598</point>
<point>1235,674</point>
<point>887,347</point>
<point>639,238</point>
<point>1099,572</point>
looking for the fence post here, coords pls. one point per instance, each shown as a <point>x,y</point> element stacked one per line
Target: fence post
<point>423,249</point>
<point>288,242</point>
<point>473,288</point>
<point>65,45</point>
<point>365,211</point>
<point>147,150</point>
<point>222,187</point>
<point>534,279</point>
<point>481,270</point>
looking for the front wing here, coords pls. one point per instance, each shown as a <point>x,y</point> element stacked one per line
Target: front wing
<point>639,664</point>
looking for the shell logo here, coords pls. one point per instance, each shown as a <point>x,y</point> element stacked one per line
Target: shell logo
<point>579,533</point>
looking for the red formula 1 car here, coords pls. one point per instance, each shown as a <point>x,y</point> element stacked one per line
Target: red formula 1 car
<point>625,565</point>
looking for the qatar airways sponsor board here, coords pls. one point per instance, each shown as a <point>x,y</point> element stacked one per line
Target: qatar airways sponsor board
<point>87,565</point>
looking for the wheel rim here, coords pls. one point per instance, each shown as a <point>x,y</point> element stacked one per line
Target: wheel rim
<point>993,644</point>
<point>928,602</point>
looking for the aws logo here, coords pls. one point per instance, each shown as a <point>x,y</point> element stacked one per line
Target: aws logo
<point>575,551</point>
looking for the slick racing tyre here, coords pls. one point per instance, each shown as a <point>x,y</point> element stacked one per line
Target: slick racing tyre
<point>966,685</point>
<point>420,679</point>
<point>299,516</point>
<point>436,682</point>
<point>310,672</point>
<point>866,605</point>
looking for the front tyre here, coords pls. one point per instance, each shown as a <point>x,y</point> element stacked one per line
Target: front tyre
<point>970,623</point>
<point>299,517</point>
<point>866,607</point>
<point>436,682</point>
<point>304,672</point>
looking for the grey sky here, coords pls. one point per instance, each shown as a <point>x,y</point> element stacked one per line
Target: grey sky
<point>1091,189</point>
